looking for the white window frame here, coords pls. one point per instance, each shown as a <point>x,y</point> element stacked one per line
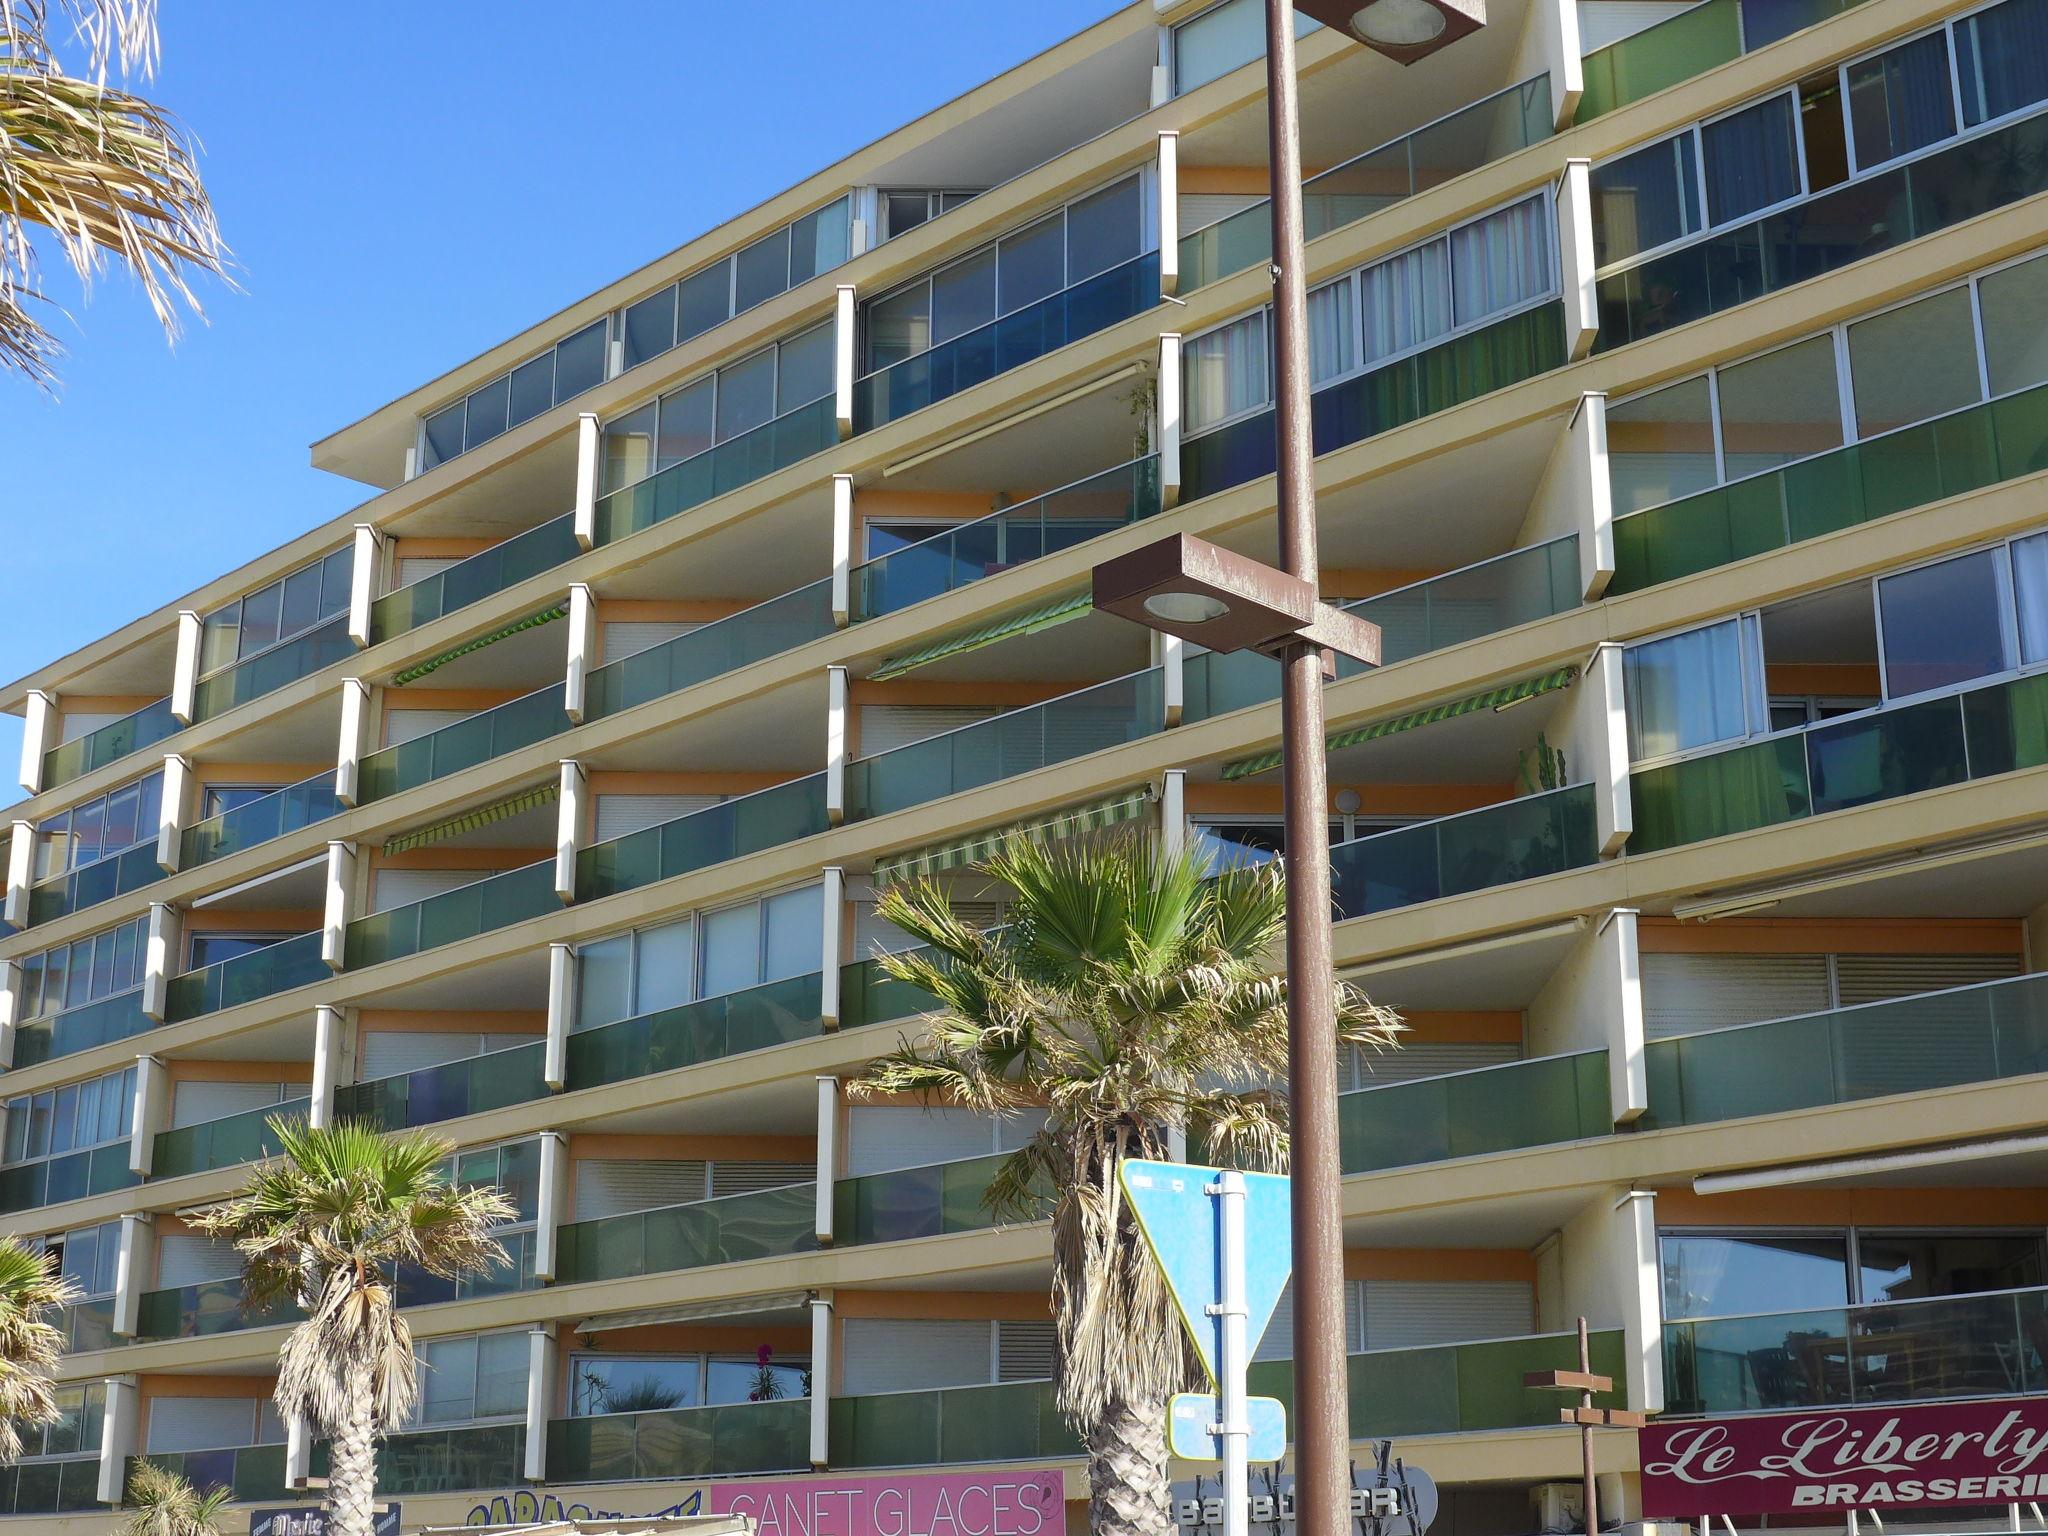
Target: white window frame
<point>1756,704</point>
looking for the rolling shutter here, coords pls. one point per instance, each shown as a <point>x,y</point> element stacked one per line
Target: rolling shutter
<point>185,1258</point>
<point>420,567</point>
<point>403,725</point>
<point>197,1103</point>
<point>911,1355</point>
<point>886,726</point>
<point>1407,1314</point>
<point>200,1423</point>
<point>393,1053</point>
<point>1369,1069</point>
<point>1198,210</point>
<point>1024,1351</point>
<point>606,1188</point>
<point>1685,994</point>
<point>1874,978</point>
<point>618,815</point>
<point>403,887</point>
<point>1608,21</point>
<point>630,639</point>
<point>872,935</point>
<point>881,1137</point>
<point>1939,1039</point>
<point>729,1177</point>
<point>1278,1341</point>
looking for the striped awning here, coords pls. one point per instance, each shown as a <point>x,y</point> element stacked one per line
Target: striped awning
<point>482,816</point>
<point>1043,617</point>
<point>961,852</point>
<point>531,621</point>
<point>1493,698</point>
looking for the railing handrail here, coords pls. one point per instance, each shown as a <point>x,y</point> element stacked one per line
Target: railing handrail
<point>690,1205</point>
<point>1062,698</point>
<point>52,1018</point>
<point>1878,1002</point>
<point>220,818</point>
<point>459,1061</point>
<point>949,1162</point>
<point>1492,1066</point>
<point>1857,1306</point>
<point>240,1114</point>
<point>737,437</point>
<point>958,1386</point>
<point>294,638</point>
<point>79,869</point>
<point>1477,810</point>
<point>456,725</point>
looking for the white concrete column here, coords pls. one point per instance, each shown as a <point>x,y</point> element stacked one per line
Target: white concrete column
<point>553,1204</point>
<point>150,1113</point>
<point>834,937</point>
<point>1549,45</point>
<point>185,671</point>
<point>1167,403</point>
<point>330,1026</point>
<point>589,460</point>
<point>1169,212</point>
<point>1169,655</point>
<point>1628,1074</point>
<point>1575,496</point>
<point>1173,809</point>
<point>341,881</point>
<point>828,1159</point>
<point>298,1452</point>
<point>1607,1272</point>
<point>570,809</point>
<point>119,1437</point>
<point>21,868</point>
<point>561,1015</point>
<point>1575,256</point>
<point>10,1010</point>
<point>582,650</point>
<point>1597,749</point>
<point>842,359</point>
<point>842,550</point>
<point>355,740</point>
<point>173,808</point>
<point>160,959</point>
<point>134,1272</point>
<point>39,731</point>
<point>1643,1323</point>
<point>542,1359</point>
<point>821,1379</point>
<point>362,582</point>
<point>1592,1001</point>
<point>835,744</point>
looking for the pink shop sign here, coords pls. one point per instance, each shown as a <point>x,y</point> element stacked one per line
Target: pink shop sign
<point>1022,1503</point>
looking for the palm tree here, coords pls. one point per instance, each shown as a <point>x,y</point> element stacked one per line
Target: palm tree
<point>327,1222</point>
<point>105,173</point>
<point>30,1343</point>
<point>162,1503</point>
<point>1125,990</point>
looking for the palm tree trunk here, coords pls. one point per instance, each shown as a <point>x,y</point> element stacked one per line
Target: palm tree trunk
<point>352,1469</point>
<point>1128,1491</point>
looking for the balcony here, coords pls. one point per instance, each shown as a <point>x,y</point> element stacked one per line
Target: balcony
<point>1022,336</point>
<point>1984,1345</point>
<point>451,1460</point>
<point>252,1474</point>
<point>904,1203</point>
<point>470,1086</point>
<point>222,1143</point>
<point>110,743</point>
<point>482,906</point>
<point>789,439</point>
<point>417,1288</point>
<point>1689,44</point>
<point>1977,1034</point>
<point>482,575</point>
<point>199,1311</point>
<point>1541,834</point>
<point>87,886</point>
<point>88,1325</point>
<point>72,1176</point>
<point>1900,749</point>
<point>52,1486</point>
<point>267,671</point>
<point>1004,1421</point>
<point>763,1224</point>
<point>720,1440</point>
<point>1543,1101</point>
<point>766,818</point>
<point>753,634</point>
<point>1489,129</point>
<point>296,806</point>
<point>1826,233</point>
<point>517,723</point>
<point>119,1017</point>
<point>279,967</point>
<point>691,1033</point>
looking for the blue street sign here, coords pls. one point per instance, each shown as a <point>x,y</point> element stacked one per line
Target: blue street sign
<point>1181,1226</point>
<point>1191,1421</point>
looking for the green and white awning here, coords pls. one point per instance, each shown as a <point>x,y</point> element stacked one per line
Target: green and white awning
<point>482,816</point>
<point>961,852</point>
<point>532,621</point>
<point>1493,698</point>
<point>1030,620</point>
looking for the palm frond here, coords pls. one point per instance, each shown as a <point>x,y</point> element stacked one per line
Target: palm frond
<point>163,1503</point>
<point>31,1343</point>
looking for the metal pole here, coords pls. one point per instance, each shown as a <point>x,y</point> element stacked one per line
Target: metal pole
<point>1589,1492</point>
<point>1232,1356</point>
<point>1322,1431</point>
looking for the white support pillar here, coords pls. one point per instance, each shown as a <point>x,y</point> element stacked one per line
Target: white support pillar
<point>1173,810</point>
<point>39,732</point>
<point>173,807</point>
<point>1575,256</point>
<point>150,1113</point>
<point>1588,438</point>
<point>10,1010</point>
<point>160,958</point>
<point>842,550</point>
<point>134,1272</point>
<point>1643,1317</point>
<point>330,1027</point>
<point>842,360</point>
<point>570,808</point>
<point>1167,403</point>
<point>821,1379</point>
<point>298,1452</point>
<point>1169,655</point>
<point>589,443</point>
<point>355,739</point>
<point>828,1156</point>
<point>582,650</point>
<point>835,744</point>
<point>185,670</point>
<point>120,1438</point>
<point>1598,731</point>
<point>1605,1269</point>
<point>341,882</point>
<point>834,945</point>
<point>542,1360</point>
<point>362,582</point>
<point>21,868</point>
<point>561,1015</point>
<point>1169,212</point>
<point>553,1204</point>
<point>1621,976</point>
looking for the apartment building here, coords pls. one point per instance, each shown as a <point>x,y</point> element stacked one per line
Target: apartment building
<point>1681,416</point>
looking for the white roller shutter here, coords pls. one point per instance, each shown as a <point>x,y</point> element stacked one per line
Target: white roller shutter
<point>200,1423</point>
<point>1370,1069</point>
<point>392,1053</point>
<point>403,725</point>
<point>1685,994</point>
<point>197,1103</point>
<point>1874,978</point>
<point>1024,1351</point>
<point>1409,1314</point>
<point>1198,210</point>
<point>403,887</point>
<point>1939,1039</point>
<point>885,726</point>
<point>618,815</point>
<point>729,1177</point>
<point>882,1354</point>
<point>1608,21</point>
<point>881,1137</point>
<point>420,567</point>
<point>607,1188</point>
<point>1278,1341</point>
<point>630,639</point>
<point>872,935</point>
<point>185,1258</point>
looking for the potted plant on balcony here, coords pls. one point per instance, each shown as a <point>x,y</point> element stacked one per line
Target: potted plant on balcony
<point>1125,988</point>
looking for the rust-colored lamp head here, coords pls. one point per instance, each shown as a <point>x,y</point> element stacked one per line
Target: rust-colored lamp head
<point>1404,30</point>
<point>1224,601</point>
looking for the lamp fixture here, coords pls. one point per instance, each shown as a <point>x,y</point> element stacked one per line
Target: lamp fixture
<point>1403,30</point>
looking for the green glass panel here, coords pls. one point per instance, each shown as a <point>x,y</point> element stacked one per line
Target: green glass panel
<point>1403,1392</point>
<point>1688,44</point>
<point>469,581</point>
<point>2005,726</point>
<point>1757,785</point>
<point>1490,1390</point>
<point>222,1143</point>
<point>1897,751</point>
<point>896,1429</point>
<point>1520,839</point>
<point>119,1017</point>
<point>1726,1074</point>
<point>268,671</point>
<point>452,916</point>
<point>761,1224</point>
<point>869,995</point>
<point>774,1014</point>
<point>774,445</point>
<point>764,819</point>
<point>1537,1102</point>
<point>247,826</point>
<point>261,973</point>
<point>767,629</point>
<point>517,723</point>
<point>110,743</point>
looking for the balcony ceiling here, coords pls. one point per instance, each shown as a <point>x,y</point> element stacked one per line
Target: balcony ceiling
<point>773,551</point>
<point>780,731</point>
<point>2005,878</point>
<point>537,486</point>
<point>1496,976</point>
<point>516,982</point>
<point>522,662</point>
<point>298,887</point>
<point>1089,430</point>
<point>1519,1220</point>
<point>306,734</point>
<point>788,1107</point>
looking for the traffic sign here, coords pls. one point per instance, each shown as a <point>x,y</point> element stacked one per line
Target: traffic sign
<point>1193,1420</point>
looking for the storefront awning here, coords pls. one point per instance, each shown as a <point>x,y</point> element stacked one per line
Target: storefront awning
<point>532,621</point>
<point>469,821</point>
<point>1030,620</point>
<point>961,852</point>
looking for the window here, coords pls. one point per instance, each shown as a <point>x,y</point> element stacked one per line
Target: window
<point>76,1430</point>
<point>1645,199</point>
<point>1913,362</point>
<point>1695,688</point>
<point>211,1424</point>
<point>1225,372</point>
<point>639,1383</point>
<point>2013,308</point>
<point>281,611</point>
<point>1220,39</point>
<point>1750,159</point>
<point>84,971</point>
<point>512,1168</point>
<point>903,211</point>
<point>705,955</point>
<point>1735,1274</point>
<point>1776,408</point>
<point>68,1119</point>
<point>2002,59</point>
<point>1501,261</point>
<point>220,799</point>
<point>99,829</point>
<point>208,949</point>
<point>474,1380</point>
<point>89,1257</point>
<point>1900,100</point>
<point>1945,623</point>
<point>1660,447</point>
<point>1407,300</point>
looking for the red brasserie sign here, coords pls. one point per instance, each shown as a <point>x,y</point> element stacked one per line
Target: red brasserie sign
<point>1853,1458</point>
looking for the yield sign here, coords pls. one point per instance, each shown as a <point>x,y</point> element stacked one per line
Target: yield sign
<point>1182,1226</point>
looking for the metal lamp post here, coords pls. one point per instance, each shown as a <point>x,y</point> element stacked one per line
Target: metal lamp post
<point>1186,587</point>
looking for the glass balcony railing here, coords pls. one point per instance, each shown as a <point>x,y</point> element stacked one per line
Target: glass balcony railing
<point>417,1288</point>
<point>89,1325</point>
<point>1515,588</point>
<point>1017,535</point>
<point>1351,410</point>
<point>303,804</point>
<point>762,1224</point>
<point>483,574</point>
<point>904,1203</point>
<point>289,963</point>
<point>492,733</point>
<point>1538,1102</point>
<point>267,671</point>
<point>102,880</point>
<point>767,818</point>
<point>222,1143</point>
<point>1901,749</point>
<point>448,917</point>
<point>695,1032</point>
<point>1689,44</point>
<point>1022,336</point>
<point>790,438</point>
<point>452,1460</point>
<point>212,1306</point>
<point>1927,462</point>
<point>1984,1345</point>
<point>1005,1421</point>
<point>251,1474</point>
<point>52,1486</point>
<point>71,1176</point>
<point>1975,1034</point>
<point>869,995</point>
<point>470,1086</point>
<point>110,743</point>
<point>1473,136</point>
<point>1825,233</point>
<point>753,634</point>
<point>1472,851</point>
<point>720,1439</point>
<point>1036,736</point>
<point>119,1017</point>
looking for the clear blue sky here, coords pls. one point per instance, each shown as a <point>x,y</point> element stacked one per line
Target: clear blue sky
<point>404,185</point>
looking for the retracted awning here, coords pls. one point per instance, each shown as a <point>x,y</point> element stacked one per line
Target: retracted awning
<point>1030,620</point>
<point>532,621</point>
<point>695,1311</point>
<point>961,852</point>
<point>469,821</point>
